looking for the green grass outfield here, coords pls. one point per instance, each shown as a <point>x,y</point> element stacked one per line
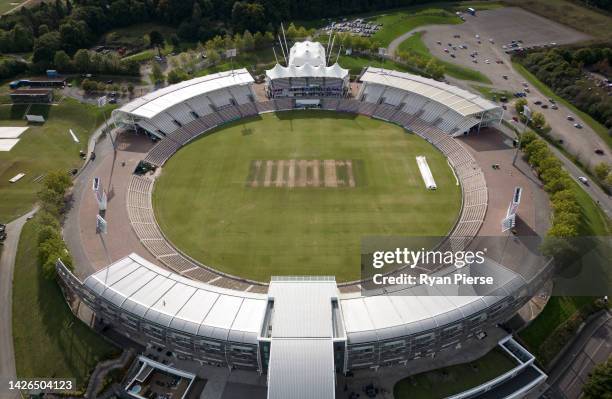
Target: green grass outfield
<point>41,148</point>
<point>49,341</point>
<point>205,207</point>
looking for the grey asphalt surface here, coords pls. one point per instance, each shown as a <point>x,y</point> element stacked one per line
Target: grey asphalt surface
<point>7,266</point>
<point>593,346</point>
<point>594,191</point>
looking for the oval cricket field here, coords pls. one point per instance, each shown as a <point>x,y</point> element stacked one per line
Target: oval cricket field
<point>293,193</point>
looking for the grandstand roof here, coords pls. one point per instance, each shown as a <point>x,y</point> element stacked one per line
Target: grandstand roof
<point>415,309</point>
<point>160,100</point>
<point>461,101</point>
<point>307,71</point>
<point>307,53</point>
<point>152,293</point>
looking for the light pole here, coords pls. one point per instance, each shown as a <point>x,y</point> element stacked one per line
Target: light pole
<point>527,114</point>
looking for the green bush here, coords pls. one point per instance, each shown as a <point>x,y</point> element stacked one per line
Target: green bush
<point>558,183</point>
<point>51,246</point>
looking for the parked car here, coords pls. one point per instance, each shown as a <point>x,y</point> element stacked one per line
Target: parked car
<point>583,180</point>
<point>554,106</point>
<point>570,118</point>
<point>599,151</point>
<point>577,125</point>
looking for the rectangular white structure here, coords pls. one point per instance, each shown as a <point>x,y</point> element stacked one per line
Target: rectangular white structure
<point>8,144</point>
<point>74,137</point>
<point>426,173</point>
<point>17,177</point>
<point>10,132</point>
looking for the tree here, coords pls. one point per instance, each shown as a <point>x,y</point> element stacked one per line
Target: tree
<point>249,16</point>
<point>174,40</point>
<point>74,35</point>
<point>537,120</point>
<point>62,61</point>
<point>157,76</point>
<point>82,61</point>
<point>602,170</point>
<point>519,104</point>
<point>213,56</point>
<point>45,48</point>
<point>156,40</point>
<point>130,88</point>
<point>599,384</point>
<point>58,181</point>
<point>177,75</point>
<point>248,40</point>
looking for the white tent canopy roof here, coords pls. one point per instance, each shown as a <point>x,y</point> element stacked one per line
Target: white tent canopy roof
<point>307,53</point>
<point>307,71</point>
<point>149,105</point>
<point>461,101</point>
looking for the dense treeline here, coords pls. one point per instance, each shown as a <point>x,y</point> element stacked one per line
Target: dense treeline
<point>562,69</point>
<point>603,4</point>
<point>73,24</point>
<point>51,245</point>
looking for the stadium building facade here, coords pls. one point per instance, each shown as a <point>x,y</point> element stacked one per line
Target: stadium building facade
<point>307,75</point>
<point>300,331</point>
<point>303,331</point>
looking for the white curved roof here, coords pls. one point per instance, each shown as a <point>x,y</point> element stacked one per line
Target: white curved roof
<point>417,309</point>
<point>307,52</point>
<point>151,104</point>
<point>307,71</point>
<point>157,295</point>
<point>461,101</point>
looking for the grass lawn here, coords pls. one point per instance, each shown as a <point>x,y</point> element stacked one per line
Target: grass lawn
<point>42,148</point>
<point>7,5</point>
<point>452,380</point>
<point>591,21</point>
<point>399,22</point>
<point>203,196</point>
<point>492,93</point>
<point>557,310</point>
<point>355,63</point>
<point>257,60</point>
<point>600,129</point>
<point>49,341</point>
<point>133,35</point>
<point>416,45</point>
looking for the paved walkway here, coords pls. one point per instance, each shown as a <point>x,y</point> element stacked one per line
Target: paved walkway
<point>594,191</point>
<point>7,265</point>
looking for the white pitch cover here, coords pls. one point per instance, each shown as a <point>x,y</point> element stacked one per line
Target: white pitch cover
<point>426,173</point>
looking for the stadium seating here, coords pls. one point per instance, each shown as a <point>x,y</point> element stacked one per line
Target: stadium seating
<point>384,112</point>
<point>247,109</point>
<point>346,105</point>
<point>265,106</point>
<point>140,213</point>
<point>162,151</point>
<point>229,113</point>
